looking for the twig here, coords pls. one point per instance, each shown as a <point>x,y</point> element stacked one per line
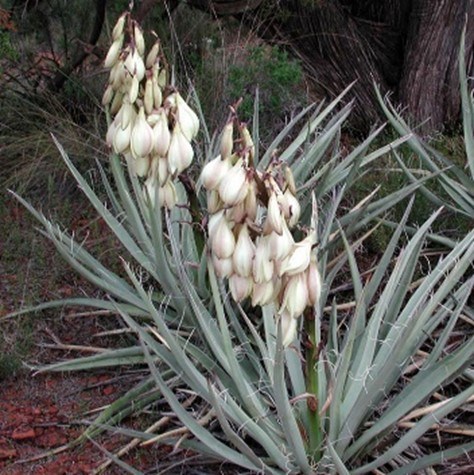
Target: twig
<point>135,442</point>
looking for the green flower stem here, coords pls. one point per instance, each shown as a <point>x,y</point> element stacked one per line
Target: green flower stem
<point>311,353</point>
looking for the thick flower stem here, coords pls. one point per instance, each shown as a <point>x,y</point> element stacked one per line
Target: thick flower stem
<point>312,353</point>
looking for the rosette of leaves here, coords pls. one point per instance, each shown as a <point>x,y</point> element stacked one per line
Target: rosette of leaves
<point>331,401</point>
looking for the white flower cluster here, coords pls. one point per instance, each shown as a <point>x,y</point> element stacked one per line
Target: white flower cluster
<point>251,214</point>
<point>152,126</point>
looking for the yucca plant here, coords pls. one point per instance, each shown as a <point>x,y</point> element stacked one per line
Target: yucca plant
<point>328,397</point>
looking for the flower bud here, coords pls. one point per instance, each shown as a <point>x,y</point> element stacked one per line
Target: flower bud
<point>243,253</point>
<point>157,94</point>
<point>117,103</point>
<point>313,279</point>
<point>288,328</point>
<point>214,171</point>
<point>117,32</point>
<point>263,293</point>
<point>236,213</point>
<point>141,166</point>
<point>148,96</point>
<point>214,203</point>
<point>134,65</point>
<point>233,186</point>
<point>250,203</point>
<point>167,195</point>
<point>291,208</point>
<point>274,221</point>
<point>153,54</point>
<point>139,40</point>
<point>227,139</point>
<point>121,140</point>
<point>150,191</point>
<point>162,170</point>
<point>223,240</point>
<point>187,118</point>
<point>280,246</point>
<point>161,135</point>
<point>180,152</point>
<point>162,78</point>
<point>247,142</point>
<point>295,295</point>
<point>134,89</point>
<point>262,264</point>
<point>298,259</point>
<point>113,53</point>
<point>109,137</point>
<point>240,287</point>
<point>141,142</point>
<point>108,95</point>
<point>290,180</point>
<point>223,267</point>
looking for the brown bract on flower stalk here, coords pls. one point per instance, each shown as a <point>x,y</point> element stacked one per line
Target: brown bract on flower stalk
<point>152,125</point>
<point>251,214</point>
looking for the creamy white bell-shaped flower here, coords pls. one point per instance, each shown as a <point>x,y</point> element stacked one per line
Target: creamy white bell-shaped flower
<point>262,265</point>
<point>298,259</point>
<point>150,190</point>
<point>121,141</point>
<point>161,134</point>
<point>250,202</point>
<point>223,240</point>
<point>243,253</point>
<point>313,279</point>
<point>141,140</point>
<point>214,171</point>
<point>274,221</point>
<point>162,170</point>
<point>134,65</point>
<point>240,287</point>
<point>213,224</point>
<point>233,186</point>
<point>236,213</point>
<point>167,195</point>
<point>180,152</point>
<point>223,267</point>
<point>187,118</point>
<point>263,293</point>
<point>214,203</point>
<point>141,166</point>
<point>289,328</point>
<point>291,207</point>
<point>281,245</point>
<point>295,295</point>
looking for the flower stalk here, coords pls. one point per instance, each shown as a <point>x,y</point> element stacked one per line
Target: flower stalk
<point>312,347</point>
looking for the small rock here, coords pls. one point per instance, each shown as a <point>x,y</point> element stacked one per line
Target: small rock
<point>108,390</point>
<point>7,453</point>
<point>23,433</point>
<point>51,439</point>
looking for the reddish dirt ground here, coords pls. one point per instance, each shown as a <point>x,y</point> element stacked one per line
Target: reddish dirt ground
<point>39,414</point>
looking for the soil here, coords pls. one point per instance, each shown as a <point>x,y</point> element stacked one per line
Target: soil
<point>42,413</point>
